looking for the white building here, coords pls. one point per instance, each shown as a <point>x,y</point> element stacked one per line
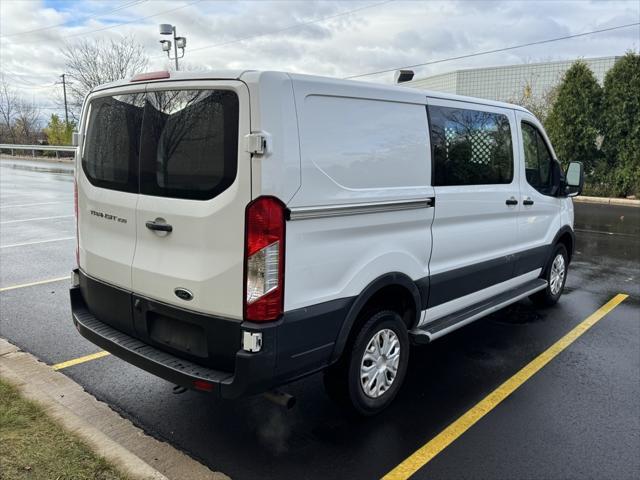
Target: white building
<point>507,83</point>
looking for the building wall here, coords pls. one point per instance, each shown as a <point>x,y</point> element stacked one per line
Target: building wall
<point>446,82</point>
<point>508,83</point>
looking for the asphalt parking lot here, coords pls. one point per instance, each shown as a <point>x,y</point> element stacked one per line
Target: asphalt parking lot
<point>577,417</point>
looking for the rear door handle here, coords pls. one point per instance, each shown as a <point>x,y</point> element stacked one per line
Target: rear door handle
<point>512,201</point>
<point>527,201</point>
<point>159,225</point>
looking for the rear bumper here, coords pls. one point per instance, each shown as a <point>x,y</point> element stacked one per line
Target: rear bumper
<point>297,345</point>
<point>257,367</point>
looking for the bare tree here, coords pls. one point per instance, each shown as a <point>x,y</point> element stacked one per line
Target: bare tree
<point>27,125</point>
<point>540,105</point>
<point>92,62</point>
<point>19,119</point>
<point>8,105</point>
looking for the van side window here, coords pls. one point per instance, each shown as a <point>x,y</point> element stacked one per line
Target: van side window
<point>108,163</point>
<point>470,147</point>
<point>537,159</point>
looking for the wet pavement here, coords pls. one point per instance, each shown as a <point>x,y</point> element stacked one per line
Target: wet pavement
<point>579,417</point>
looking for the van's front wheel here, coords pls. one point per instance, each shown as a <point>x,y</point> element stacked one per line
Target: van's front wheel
<point>555,274</point>
<point>372,371</point>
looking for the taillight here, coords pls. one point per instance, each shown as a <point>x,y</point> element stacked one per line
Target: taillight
<point>203,385</point>
<point>75,209</point>
<point>264,260</point>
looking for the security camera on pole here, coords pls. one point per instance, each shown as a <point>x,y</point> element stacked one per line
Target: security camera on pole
<point>178,42</point>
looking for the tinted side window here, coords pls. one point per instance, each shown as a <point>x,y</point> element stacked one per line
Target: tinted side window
<point>110,157</point>
<point>189,143</point>
<point>470,147</point>
<point>537,159</point>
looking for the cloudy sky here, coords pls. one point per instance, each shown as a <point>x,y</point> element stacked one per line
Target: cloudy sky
<point>335,38</point>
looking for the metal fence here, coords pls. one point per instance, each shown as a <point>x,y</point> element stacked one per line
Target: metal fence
<point>37,148</point>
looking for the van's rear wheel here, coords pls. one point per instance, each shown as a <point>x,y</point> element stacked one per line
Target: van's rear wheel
<point>555,274</point>
<point>373,369</point>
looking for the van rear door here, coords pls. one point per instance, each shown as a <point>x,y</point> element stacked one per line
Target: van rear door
<point>107,184</point>
<point>195,182</point>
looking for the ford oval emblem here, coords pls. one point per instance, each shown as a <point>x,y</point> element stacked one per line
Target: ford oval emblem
<point>183,294</point>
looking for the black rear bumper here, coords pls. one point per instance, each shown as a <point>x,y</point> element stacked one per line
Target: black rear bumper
<point>258,367</point>
<point>297,345</point>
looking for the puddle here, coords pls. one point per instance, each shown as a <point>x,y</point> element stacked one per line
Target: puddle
<point>517,314</point>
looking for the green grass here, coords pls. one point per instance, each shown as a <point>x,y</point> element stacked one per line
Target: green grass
<point>34,447</point>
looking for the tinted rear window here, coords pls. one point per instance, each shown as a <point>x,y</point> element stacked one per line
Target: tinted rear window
<point>173,143</point>
<point>189,143</point>
<point>107,162</point>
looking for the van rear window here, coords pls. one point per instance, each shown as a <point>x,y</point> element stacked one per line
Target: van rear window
<point>189,143</point>
<point>112,143</point>
<point>171,143</point>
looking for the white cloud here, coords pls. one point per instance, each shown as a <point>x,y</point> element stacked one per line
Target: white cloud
<point>383,36</point>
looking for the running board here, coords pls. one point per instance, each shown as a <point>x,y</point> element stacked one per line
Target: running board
<point>429,332</point>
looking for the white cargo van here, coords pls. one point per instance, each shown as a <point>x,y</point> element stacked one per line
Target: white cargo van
<point>240,230</point>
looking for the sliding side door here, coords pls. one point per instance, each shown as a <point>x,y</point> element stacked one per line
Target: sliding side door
<point>475,176</point>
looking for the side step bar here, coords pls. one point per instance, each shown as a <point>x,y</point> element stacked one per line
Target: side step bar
<point>429,332</point>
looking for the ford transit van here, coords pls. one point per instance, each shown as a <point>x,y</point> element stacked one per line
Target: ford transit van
<point>239,230</point>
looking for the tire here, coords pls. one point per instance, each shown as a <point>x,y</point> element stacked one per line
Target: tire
<point>555,273</point>
<point>385,341</point>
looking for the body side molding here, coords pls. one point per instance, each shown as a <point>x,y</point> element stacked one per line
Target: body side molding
<point>324,211</point>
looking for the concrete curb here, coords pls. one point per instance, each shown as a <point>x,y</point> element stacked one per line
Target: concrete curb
<point>31,168</point>
<point>109,435</point>
<point>627,202</point>
<point>49,166</point>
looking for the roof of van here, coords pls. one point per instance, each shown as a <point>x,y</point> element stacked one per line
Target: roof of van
<point>239,74</point>
<point>175,76</point>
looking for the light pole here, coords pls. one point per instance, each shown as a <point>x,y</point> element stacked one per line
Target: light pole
<point>64,90</point>
<point>178,42</point>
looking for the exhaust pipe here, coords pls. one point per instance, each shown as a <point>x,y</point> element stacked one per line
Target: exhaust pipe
<point>280,398</point>
<point>177,390</point>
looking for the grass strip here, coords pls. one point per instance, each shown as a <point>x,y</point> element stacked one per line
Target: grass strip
<point>34,447</point>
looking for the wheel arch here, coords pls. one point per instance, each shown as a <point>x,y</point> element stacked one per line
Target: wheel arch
<point>564,236</point>
<point>567,237</point>
<point>395,290</point>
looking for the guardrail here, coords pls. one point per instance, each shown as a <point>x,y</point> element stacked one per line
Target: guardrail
<point>38,148</point>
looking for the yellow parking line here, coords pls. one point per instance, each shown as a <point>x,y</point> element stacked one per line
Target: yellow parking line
<point>32,284</point>
<point>427,452</point>
<point>76,361</point>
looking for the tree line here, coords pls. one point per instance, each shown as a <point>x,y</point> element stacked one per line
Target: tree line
<point>19,118</point>
<point>597,125</point>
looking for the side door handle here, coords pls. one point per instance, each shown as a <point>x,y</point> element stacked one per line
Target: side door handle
<point>527,201</point>
<point>512,201</point>
<point>159,225</point>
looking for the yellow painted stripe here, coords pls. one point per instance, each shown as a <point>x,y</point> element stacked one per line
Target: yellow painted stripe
<point>32,284</point>
<point>76,361</point>
<point>427,452</point>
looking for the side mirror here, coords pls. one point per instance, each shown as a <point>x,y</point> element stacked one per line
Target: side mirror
<point>75,139</point>
<point>574,179</point>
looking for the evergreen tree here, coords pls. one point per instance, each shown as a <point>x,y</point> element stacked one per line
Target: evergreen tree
<point>620,126</point>
<point>573,121</point>
<point>59,132</point>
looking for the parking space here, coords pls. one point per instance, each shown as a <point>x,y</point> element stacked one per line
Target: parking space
<point>577,417</point>
<point>37,228</point>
